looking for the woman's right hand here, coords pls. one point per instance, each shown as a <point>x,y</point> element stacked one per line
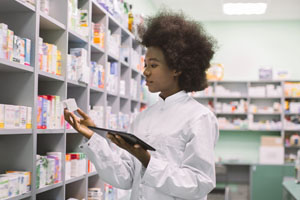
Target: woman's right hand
<point>80,125</point>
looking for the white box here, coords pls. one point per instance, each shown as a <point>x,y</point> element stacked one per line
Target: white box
<point>9,117</point>
<point>2,115</point>
<point>271,150</point>
<point>70,104</point>
<point>3,40</point>
<point>28,118</point>
<point>271,155</point>
<point>23,113</point>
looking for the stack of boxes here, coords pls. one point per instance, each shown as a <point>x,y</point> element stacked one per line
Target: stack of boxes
<point>77,18</point>
<point>14,183</point>
<point>98,34</point>
<point>49,58</point>
<point>114,42</point>
<point>48,169</point>
<point>75,165</point>
<point>13,47</point>
<point>15,117</point>
<point>49,112</point>
<point>78,69</point>
<point>97,77</point>
<point>112,77</point>
<point>97,115</point>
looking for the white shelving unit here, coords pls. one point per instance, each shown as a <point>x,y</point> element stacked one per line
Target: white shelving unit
<point>21,85</point>
<point>242,87</point>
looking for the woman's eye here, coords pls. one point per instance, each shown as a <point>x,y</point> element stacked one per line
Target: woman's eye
<point>153,65</point>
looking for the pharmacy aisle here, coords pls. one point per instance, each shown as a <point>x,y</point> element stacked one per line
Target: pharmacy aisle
<point>50,51</point>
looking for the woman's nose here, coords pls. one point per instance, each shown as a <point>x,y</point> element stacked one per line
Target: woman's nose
<point>146,72</point>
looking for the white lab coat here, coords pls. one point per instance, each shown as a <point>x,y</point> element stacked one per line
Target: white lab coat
<point>184,133</point>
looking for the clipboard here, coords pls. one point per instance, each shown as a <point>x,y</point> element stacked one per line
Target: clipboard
<point>128,137</point>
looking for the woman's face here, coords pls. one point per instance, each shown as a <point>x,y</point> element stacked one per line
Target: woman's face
<point>159,78</point>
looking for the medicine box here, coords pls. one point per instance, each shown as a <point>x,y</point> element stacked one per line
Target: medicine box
<point>271,150</point>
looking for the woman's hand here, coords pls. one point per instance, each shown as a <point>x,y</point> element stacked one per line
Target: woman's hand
<point>136,150</point>
<point>79,124</point>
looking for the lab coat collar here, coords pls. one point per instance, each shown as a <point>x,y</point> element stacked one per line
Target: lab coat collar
<point>173,98</point>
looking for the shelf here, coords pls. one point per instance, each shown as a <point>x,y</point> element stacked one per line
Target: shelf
<point>230,81</point>
<point>292,147</point>
<point>135,100</point>
<point>112,93</point>
<point>203,97</point>
<point>233,129</point>
<point>135,70</point>
<point>96,89</point>
<point>92,174</point>
<point>292,130</point>
<point>72,180</point>
<point>265,130</point>
<point>71,131</point>
<point>49,23</point>
<point>271,114</point>
<point>15,132</point>
<point>264,97</point>
<point>21,196</point>
<point>97,9</point>
<point>76,84</point>
<point>9,66</point>
<point>143,102</point>
<point>112,57</point>
<point>76,38</point>
<point>127,32</point>
<point>123,63</point>
<point>266,81</point>
<point>124,97</point>
<point>49,187</point>
<point>50,131</point>
<point>231,97</point>
<point>96,49</point>
<point>288,114</point>
<point>225,113</point>
<point>251,130</point>
<point>46,76</point>
<point>8,6</point>
<point>292,97</point>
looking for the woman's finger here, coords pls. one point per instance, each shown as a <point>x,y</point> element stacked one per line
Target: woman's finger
<point>75,122</point>
<point>83,114</point>
<point>123,143</point>
<point>67,117</point>
<point>114,140</point>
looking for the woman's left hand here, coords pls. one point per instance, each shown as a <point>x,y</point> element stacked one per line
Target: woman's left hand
<point>136,150</point>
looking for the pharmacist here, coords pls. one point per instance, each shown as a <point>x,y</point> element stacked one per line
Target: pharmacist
<point>183,131</point>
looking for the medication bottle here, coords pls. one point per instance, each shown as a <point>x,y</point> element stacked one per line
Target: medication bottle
<point>130,19</point>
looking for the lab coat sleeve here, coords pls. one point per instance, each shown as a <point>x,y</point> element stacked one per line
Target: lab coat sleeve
<point>115,167</point>
<point>195,177</point>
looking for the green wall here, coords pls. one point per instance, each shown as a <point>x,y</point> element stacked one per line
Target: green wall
<point>143,6</point>
<point>240,145</point>
<point>244,46</point>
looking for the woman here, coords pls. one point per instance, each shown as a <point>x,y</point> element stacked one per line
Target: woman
<point>183,131</point>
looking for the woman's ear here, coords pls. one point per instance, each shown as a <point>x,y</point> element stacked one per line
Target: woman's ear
<point>177,73</point>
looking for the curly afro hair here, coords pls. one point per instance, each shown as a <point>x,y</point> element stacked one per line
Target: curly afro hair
<point>185,45</point>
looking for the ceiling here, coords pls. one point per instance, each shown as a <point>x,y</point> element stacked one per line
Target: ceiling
<point>211,10</point>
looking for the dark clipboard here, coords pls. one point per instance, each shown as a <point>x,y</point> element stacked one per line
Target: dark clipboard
<point>128,137</point>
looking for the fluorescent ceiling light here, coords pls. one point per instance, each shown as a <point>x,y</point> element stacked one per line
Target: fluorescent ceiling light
<point>244,8</point>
